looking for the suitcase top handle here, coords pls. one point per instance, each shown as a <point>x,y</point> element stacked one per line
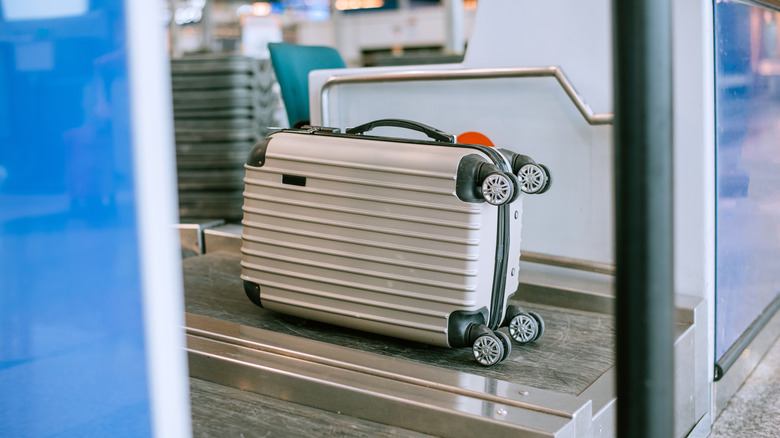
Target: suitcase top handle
<point>403,123</point>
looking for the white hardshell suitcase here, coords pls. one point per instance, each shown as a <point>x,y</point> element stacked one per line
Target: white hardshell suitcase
<point>391,236</point>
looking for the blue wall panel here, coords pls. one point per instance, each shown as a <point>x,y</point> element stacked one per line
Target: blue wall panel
<point>72,359</point>
<point>748,154</point>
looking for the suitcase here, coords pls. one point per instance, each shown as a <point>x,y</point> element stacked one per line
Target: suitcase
<point>416,239</point>
<point>222,105</point>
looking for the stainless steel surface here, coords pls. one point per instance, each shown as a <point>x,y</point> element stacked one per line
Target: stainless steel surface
<point>467,384</point>
<point>693,310</point>
<point>497,394</point>
<point>565,287</point>
<point>459,74</point>
<point>702,428</point>
<point>191,235</point>
<point>691,364</point>
<point>684,381</point>
<point>213,288</point>
<point>604,423</point>
<point>222,411</point>
<point>568,262</point>
<point>563,383</point>
<point>225,238</point>
<point>454,29</point>
<point>368,386</point>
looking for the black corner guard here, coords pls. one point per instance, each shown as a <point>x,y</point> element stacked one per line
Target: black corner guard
<point>257,155</point>
<point>460,323</point>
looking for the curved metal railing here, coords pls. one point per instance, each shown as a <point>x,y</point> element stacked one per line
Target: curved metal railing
<point>469,73</point>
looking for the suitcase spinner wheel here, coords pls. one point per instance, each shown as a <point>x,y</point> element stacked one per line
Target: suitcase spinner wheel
<point>524,327</point>
<point>387,235</point>
<point>488,347</point>
<point>534,178</point>
<point>498,189</point>
<point>540,323</point>
<point>506,342</point>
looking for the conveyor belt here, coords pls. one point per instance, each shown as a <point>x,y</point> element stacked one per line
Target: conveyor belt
<point>222,411</point>
<point>575,350</point>
<point>554,387</point>
<point>562,385</point>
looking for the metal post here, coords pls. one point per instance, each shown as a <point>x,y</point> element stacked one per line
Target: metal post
<point>208,26</point>
<point>175,31</point>
<point>643,205</point>
<point>337,20</point>
<point>453,24</point>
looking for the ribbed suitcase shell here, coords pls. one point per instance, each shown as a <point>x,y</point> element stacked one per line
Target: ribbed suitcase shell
<point>376,239</point>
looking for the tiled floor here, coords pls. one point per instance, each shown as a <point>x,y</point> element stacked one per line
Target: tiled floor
<point>754,411</point>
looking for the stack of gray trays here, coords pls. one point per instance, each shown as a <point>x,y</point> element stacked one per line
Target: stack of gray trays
<point>222,105</point>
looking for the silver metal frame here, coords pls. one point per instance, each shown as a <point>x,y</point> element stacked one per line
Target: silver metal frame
<point>402,393</point>
<point>568,262</point>
<point>191,234</point>
<point>349,381</point>
<point>225,238</point>
<point>460,74</point>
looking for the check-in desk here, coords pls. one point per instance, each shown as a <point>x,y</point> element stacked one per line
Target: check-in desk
<point>252,369</point>
<point>532,87</point>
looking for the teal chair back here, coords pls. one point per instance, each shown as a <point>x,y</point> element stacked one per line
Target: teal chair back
<point>292,64</point>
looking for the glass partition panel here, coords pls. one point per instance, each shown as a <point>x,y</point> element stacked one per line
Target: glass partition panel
<point>747,45</point>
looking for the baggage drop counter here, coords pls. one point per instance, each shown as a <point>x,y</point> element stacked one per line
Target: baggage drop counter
<point>253,369</point>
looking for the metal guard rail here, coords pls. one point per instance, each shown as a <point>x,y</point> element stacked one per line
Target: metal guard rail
<point>471,73</point>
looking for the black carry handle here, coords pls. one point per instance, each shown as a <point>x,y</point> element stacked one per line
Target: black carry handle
<point>403,123</point>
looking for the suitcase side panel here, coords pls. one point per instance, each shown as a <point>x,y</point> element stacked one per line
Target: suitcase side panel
<point>368,235</point>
